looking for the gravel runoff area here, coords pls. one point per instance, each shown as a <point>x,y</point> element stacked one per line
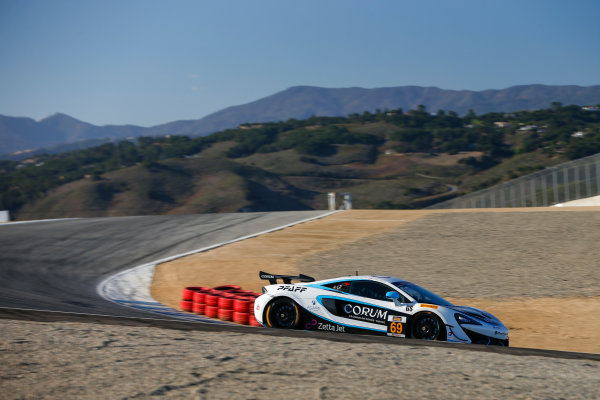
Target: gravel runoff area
<point>70,360</point>
<point>494,255</point>
<point>538,270</point>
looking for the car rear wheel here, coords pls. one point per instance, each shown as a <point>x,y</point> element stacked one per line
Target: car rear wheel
<point>427,326</point>
<point>282,313</point>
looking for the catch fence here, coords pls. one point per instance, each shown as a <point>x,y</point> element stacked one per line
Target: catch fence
<point>564,182</point>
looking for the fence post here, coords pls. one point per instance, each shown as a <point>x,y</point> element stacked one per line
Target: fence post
<point>588,180</point>
<point>544,191</point>
<point>577,183</point>
<point>566,183</point>
<point>555,185</point>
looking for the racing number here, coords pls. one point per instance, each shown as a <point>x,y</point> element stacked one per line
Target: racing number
<point>395,327</point>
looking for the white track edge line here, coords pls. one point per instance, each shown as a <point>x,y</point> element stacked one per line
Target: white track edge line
<point>101,288</point>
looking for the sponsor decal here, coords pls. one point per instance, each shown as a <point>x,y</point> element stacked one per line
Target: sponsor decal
<point>343,286</point>
<point>311,324</point>
<point>429,306</point>
<point>331,327</point>
<point>314,306</point>
<point>324,326</point>
<point>365,313</point>
<point>396,318</point>
<point>292,288</point>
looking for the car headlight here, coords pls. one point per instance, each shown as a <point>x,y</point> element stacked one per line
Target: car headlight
<point>465,319</point>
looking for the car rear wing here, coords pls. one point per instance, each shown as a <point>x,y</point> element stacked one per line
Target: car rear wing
<point>272,278</point>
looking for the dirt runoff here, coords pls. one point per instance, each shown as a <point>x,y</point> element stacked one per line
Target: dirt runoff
<point>538,270</point>
<point>68,360</point>
<point>277,252</point>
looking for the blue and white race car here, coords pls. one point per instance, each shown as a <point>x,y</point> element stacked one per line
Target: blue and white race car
<point>371,304</point>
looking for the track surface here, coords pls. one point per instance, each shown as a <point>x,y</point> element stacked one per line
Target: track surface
<point>56,265</point>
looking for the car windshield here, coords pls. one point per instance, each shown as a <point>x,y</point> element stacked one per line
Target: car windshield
<point>421,295</point>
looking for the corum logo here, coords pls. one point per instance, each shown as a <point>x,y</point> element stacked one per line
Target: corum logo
<point>365,312</point>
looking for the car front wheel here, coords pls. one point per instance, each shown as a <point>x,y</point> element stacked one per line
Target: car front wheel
<point>427,326</point>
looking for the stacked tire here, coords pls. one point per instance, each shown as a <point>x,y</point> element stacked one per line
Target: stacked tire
<point>228,303</point>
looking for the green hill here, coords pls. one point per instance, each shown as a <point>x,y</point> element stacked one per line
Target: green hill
<point>388,159</point>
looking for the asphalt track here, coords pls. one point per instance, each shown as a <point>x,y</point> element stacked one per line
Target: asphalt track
<point>49,270</point>
<point>56,265</point>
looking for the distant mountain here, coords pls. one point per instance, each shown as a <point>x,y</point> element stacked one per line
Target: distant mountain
<point>301,102</point>
<point>18,134</point>
<point>297,102</point>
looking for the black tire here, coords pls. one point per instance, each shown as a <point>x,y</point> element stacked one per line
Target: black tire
<point>427,326</point>
<point>283,314</point>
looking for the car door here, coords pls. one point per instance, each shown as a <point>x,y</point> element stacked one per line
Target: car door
<point>364,305</point>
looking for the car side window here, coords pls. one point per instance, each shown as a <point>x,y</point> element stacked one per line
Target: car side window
<point>372,290</point>
<point>341,286</point>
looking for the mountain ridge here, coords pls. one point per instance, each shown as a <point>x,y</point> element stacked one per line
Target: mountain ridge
<point>297,102</point>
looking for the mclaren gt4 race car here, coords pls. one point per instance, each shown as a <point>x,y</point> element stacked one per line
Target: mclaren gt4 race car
<point>371,304</point>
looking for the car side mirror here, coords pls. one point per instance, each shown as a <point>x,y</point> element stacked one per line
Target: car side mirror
<point>392,295</point>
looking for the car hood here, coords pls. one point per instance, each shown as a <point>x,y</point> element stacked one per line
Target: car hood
<point>477,313</point>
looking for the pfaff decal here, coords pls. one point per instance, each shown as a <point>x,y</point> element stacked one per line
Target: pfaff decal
<point>292,288</point>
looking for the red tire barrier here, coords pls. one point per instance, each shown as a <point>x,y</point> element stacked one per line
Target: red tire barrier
<point>242,292</point>
<point>199,297</point>
<point>186,305</point>
<point>225,303</point>
<point>188,292</point>
<point>211,299</point>
<point>227,288</point>
<point>252,321</point>
<point>241,305</point>
<point>225,315</point>
<point>241,317</point>
<point>198,308</point>
<point>211,311</point>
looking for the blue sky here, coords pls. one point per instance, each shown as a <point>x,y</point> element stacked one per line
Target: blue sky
<point>147,62</point>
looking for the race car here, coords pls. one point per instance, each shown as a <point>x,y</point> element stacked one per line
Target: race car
<point>371,304</point>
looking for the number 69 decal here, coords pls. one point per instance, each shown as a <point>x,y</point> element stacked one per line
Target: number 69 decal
<point>395,326</point>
